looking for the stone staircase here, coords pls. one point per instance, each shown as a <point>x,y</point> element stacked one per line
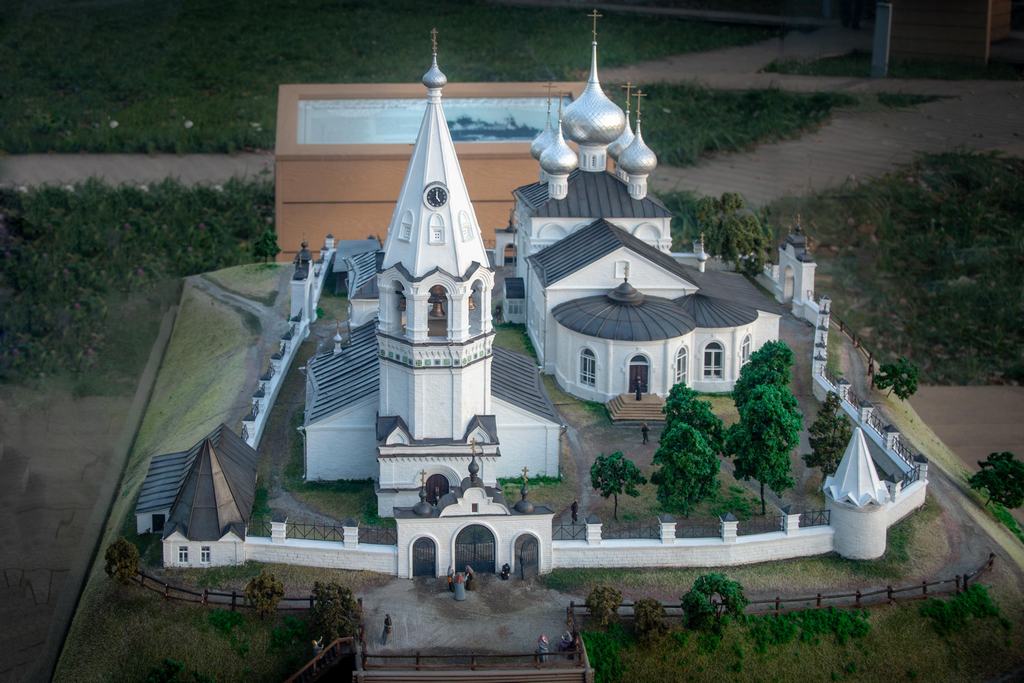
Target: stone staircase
<point>625,408</point>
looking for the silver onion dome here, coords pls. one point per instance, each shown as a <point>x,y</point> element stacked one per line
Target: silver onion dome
<point>558,158</point>
<point>593,119</point>
<point>638,158</point>
<point>621,142</point>
<point>434,78</point>
<point>544,140</point>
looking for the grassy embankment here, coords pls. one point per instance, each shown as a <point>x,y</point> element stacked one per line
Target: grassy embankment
<point>858,65</point>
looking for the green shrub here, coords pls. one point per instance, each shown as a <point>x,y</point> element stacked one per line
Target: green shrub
<point>712,597</point>
<point>604,651</point>
<point>650,617</point>
<point>225,621</point>
<point>950,616</point>
<point>121,560</point>
<point>292,631</point>
<point>335,612</point>
<point>603,604</point>
<point>808,626</point>
<point>263,592</point>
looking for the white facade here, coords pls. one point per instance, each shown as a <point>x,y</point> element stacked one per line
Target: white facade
<point>179,551</point>
<point>343,445</point>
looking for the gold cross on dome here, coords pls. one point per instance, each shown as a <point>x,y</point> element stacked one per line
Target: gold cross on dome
<point>472,445</point>
<point>638,94</point>
<point>595,16</point>
<point>423,477</point>
<point>549,86</point>
<point>628,88</point>
<point>433,40</point>
<point>526,471</point>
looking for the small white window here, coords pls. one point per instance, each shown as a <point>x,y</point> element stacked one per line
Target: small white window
<point>465,226</point>
<point>204,554</point>
<point>588,368</point>
<point>405,229</point>
<point>745,351</point>
<point>183,554</point>
<point>681,362</point>
<point>621,269</point>
<point>436,229</point>
<point>713,353</point>
<point>514,306</point>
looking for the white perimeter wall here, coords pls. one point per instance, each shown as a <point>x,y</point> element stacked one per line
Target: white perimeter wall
<point>330,554</point>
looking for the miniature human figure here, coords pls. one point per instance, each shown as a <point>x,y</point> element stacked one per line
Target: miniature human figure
<point>645,431</point>
<point>460,587</point>
<point>574,508</point>
<point>470,579</point>
<point>542,647</point>
<point>318,646</point>
<point>505,571</point>
<point>451,579</point>
<point>638,392</point>
<point>566,644</point>
<point>387,630</point>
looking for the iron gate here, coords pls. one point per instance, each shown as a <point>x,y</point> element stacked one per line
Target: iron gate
<point>527,557</point>
<point>423,558</point>
<point>475,546</point>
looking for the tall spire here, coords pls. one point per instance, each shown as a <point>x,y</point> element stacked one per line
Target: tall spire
<point>434,224</point>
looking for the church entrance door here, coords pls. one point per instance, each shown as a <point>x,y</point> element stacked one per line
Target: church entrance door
<point>638,374</point>
<point>527,557</point>
<point>423,557</point>
<point>437,486</point>
<point>475,546</point>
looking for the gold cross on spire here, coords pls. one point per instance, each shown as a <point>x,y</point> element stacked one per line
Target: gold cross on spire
<point>638,94</point>
<point>629,89</point>
<point>433,40</point>
<point>595,16</point>
<point>526,471</point>
<point>472,445</point>
<point>423,477</point>
<point>549,86</point>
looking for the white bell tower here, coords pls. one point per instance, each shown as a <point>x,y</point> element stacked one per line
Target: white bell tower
<point>434,327</point>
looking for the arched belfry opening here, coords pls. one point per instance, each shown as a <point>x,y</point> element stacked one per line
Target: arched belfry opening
<point>438,306</point>
<point>400,308</point>
<point>476,308</point>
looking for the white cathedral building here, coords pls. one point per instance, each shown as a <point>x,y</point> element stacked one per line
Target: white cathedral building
<point>420,387</point>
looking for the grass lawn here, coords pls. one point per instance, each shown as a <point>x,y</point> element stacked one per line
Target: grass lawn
<point>334,306</point>
<point>555,492</point>
<point>898,644</point>
<point>202,373</point>
<point>196,77</point>
<point>919,260</point>
<point>513,336</point>
<point>257,281</point>
<point>917,546</point>
<point>858,64</point>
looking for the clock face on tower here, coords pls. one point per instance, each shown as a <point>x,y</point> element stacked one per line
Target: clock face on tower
<point>436,196</point>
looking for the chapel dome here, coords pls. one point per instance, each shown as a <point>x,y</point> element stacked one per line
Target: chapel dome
<point>638,158</point>
<point>558,158</point>
<point>593,119</point>
<point>622,142</point>
<point>626,294</point>
<point>542,141</point>
<point>434,78</point>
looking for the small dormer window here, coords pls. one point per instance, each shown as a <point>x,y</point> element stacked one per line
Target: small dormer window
<point>465,226</point>
<point>405,228</point>
<point>476,507</point>
<point>436,229</point>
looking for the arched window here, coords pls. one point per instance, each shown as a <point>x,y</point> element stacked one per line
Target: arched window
<point>437,312</point>
<point>713,354</point>
<point>405,229</point>
<point>436,229</point>
<point>681,362</point>
<point>400,305</point>
<point>745,351</point>
<point>588,368</point>
<point>465,226</point>
<point>476,305</point>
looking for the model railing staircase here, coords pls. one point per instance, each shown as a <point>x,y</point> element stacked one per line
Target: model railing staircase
<point>625,408</point>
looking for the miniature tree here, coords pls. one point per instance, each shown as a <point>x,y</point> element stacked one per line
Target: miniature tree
<point>266,245</point>
<point>1002,479</point>
<point>335,613</point>
<point>770,364</point>
<point>829,435</point>
<point>899,378</point>
<point>712,597</point>
<point>603,604</point>
<point>760,443</point>
<point>688,468</point>
<point>264,592</point>
<point>122,560</point>
<point>613,474</point>
<point>733,232</point>
<point>649,615</point>
<point>684,406</point>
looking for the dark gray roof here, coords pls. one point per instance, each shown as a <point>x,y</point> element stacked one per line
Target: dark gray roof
<point>595,195</point>
<point>514,288</point>
<point>710,311</point>
<point>600,316</point>
<point>586,245</point>
<point>218,490</point>
<point>387,424</point>
<point>485,422</point>
<point>730,287</point>
<point>348,248</point>
<point>515,379</point>
<point>339,379</point>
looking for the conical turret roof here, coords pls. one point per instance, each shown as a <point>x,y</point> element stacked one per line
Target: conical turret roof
<point>856,480</point>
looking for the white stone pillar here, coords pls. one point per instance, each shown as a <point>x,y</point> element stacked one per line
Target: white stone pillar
<point>278,529</point>
<point>790,520</point>
<point>668,529</point>
<point>891,436</point>
<point>866,409</point>
<point>728,529</point>
<point>844,390</point>
<point>593,530</point>
<point>350,528</point>
<point>922,464</point>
